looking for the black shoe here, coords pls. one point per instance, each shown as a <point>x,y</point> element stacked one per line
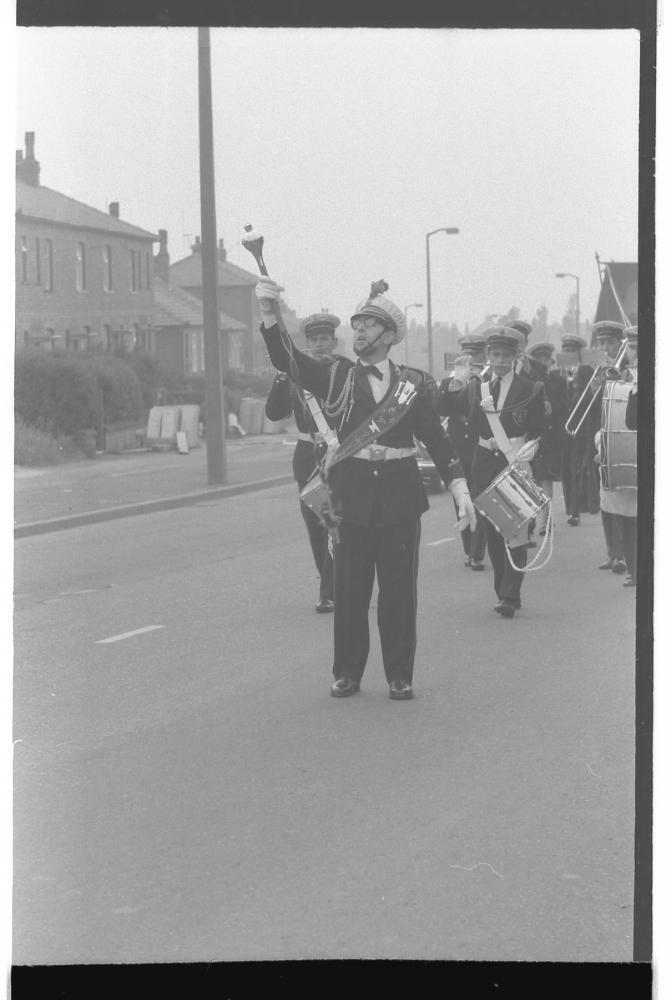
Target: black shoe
<point>607,565</point>
<point>324,606</point>
<point>343,687</point>
<point>477,564</point>
<point>573,521</point>
<point>619,566</point>
<point>400,690</point>
<point>629,582</point>
<point>505,609</point>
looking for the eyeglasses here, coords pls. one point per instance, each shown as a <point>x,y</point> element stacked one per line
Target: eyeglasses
<point>364,323</point>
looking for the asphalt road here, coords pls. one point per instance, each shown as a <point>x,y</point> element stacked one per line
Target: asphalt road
<point>189,792</point>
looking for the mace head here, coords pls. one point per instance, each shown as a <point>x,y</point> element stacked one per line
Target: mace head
<point>254,242</point>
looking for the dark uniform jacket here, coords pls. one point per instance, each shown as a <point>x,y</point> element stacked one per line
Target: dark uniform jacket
<point>523,413</point>
<point>281,403</point>
<point>386,492</point>
<point>458,429</point>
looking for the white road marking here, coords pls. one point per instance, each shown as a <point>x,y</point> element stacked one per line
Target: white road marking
<point>128,635</point>
<point>440,541</point>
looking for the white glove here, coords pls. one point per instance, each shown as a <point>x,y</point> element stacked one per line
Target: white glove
<point>528,451</point>
<point>464,504</point>
<point>267,292</point>
<point>487,404</point>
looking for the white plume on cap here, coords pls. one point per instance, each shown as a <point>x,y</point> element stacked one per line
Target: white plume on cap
<point>378,305</point>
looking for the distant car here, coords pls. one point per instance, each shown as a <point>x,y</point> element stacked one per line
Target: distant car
<point>429,475</point>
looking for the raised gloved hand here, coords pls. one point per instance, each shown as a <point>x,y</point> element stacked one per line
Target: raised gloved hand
<point>487,403</point>
<point>268,293</point>
<point>528,451</point>
<point>464,504</point>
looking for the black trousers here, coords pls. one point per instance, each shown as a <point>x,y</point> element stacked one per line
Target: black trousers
<point>507,580</point>
<point>473,542</point>
<point>318,536</point>
<point>612,534</point>
<point>628,535</point>
<point>392,551</point>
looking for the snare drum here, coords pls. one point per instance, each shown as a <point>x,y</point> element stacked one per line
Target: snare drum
<point>617,447</point>
<point>511,500</point>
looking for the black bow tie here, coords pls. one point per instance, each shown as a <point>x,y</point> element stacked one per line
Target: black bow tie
<point>371,370</point>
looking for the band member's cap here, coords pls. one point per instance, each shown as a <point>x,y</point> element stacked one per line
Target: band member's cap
<point>320,322</point>
<point>505,336</point>
<point>521,325</point>
<point>472,341</point>
<point>631,333</point>
<point>608,328</point>
<point>541,347</point>
<point>383,309</point>
<point>573,341</point>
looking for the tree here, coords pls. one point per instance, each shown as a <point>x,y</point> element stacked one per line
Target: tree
<point>540,323</point>
<point>569,318</point>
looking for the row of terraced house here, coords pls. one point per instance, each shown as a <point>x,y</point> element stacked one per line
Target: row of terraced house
<point>87,278</point>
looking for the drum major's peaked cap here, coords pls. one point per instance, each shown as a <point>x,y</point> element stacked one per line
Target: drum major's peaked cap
<point>608,328</point>
<point>381,308</point>
<point>573,340</point>
<point>521,325</point>
<point>505,336</point>
<point>317,322</point>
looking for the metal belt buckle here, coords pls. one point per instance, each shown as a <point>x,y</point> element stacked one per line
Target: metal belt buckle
<point>377,454</point>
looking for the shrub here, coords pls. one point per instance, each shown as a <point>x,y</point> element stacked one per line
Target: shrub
<point>147,372</point>
<point>119,385</point>
<point>34,447</point>
<point>55,394</point>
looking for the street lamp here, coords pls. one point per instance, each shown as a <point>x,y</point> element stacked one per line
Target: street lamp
<point>566,274</point>
<point>412,305</point>
<point>451,230</point>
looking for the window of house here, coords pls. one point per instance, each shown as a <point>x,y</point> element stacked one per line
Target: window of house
<point>49,265</point>
<point>149,264</point>
<point>50,338</point>
<point>132,271</point>
<point>108,269</point>
<point>80,267</point>
<point>38,261</point>
<point>107,337</point>
<point>24,259</point>
<point>139,270</point>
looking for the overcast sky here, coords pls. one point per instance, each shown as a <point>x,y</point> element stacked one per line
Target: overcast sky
<point>345,147</point>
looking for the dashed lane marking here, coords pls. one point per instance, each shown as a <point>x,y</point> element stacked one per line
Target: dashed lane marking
<point>128,635</point>
<point>440,541</point>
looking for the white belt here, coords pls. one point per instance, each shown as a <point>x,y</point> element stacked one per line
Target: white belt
<point>302,436</point>
<point>381,453</point>
<point>514,442</point>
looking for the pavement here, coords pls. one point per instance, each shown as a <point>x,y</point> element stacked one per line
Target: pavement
<point>144,481</point>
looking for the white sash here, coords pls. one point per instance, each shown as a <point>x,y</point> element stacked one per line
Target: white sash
<point>498,431</point>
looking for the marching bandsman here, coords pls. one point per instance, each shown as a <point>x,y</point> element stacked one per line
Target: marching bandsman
<point>631,416</point>
<point>518,403</point>
<point>580,473</point>
<point>608,335</point>
<point>376,487</point>
<point>319,331</point>
<point>457,426</point>
<point>523,365</point>
<point>547,466</point>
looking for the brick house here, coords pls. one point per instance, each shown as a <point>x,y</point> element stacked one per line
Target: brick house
<point>246,350</point>
<point>178,330</point>
<point>83,277</point>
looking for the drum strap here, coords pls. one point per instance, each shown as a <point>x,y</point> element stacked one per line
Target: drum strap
<point>326,432</point>
<point>499,433</point>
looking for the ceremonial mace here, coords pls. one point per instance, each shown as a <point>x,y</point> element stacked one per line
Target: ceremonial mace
<point>254,242</point>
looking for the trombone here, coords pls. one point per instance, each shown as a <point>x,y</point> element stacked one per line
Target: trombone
<point>589,394</point>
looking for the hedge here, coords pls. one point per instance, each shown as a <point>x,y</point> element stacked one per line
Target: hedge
<point>65,394</point>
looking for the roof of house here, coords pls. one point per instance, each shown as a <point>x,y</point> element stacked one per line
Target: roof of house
<point>187,272</point>
<point>176,307</point>
<point>39,202</point>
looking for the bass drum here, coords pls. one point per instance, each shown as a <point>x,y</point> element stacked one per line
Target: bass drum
<point>618,465</point>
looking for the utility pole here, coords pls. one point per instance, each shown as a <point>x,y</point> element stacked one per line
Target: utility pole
<point>215,432</point>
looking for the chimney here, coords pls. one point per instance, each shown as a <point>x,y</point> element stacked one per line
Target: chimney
<point>221,251</point>
<point>196,246</point>
<point>27,169</point>
<point>114,209</point>
<point>161,259</point>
